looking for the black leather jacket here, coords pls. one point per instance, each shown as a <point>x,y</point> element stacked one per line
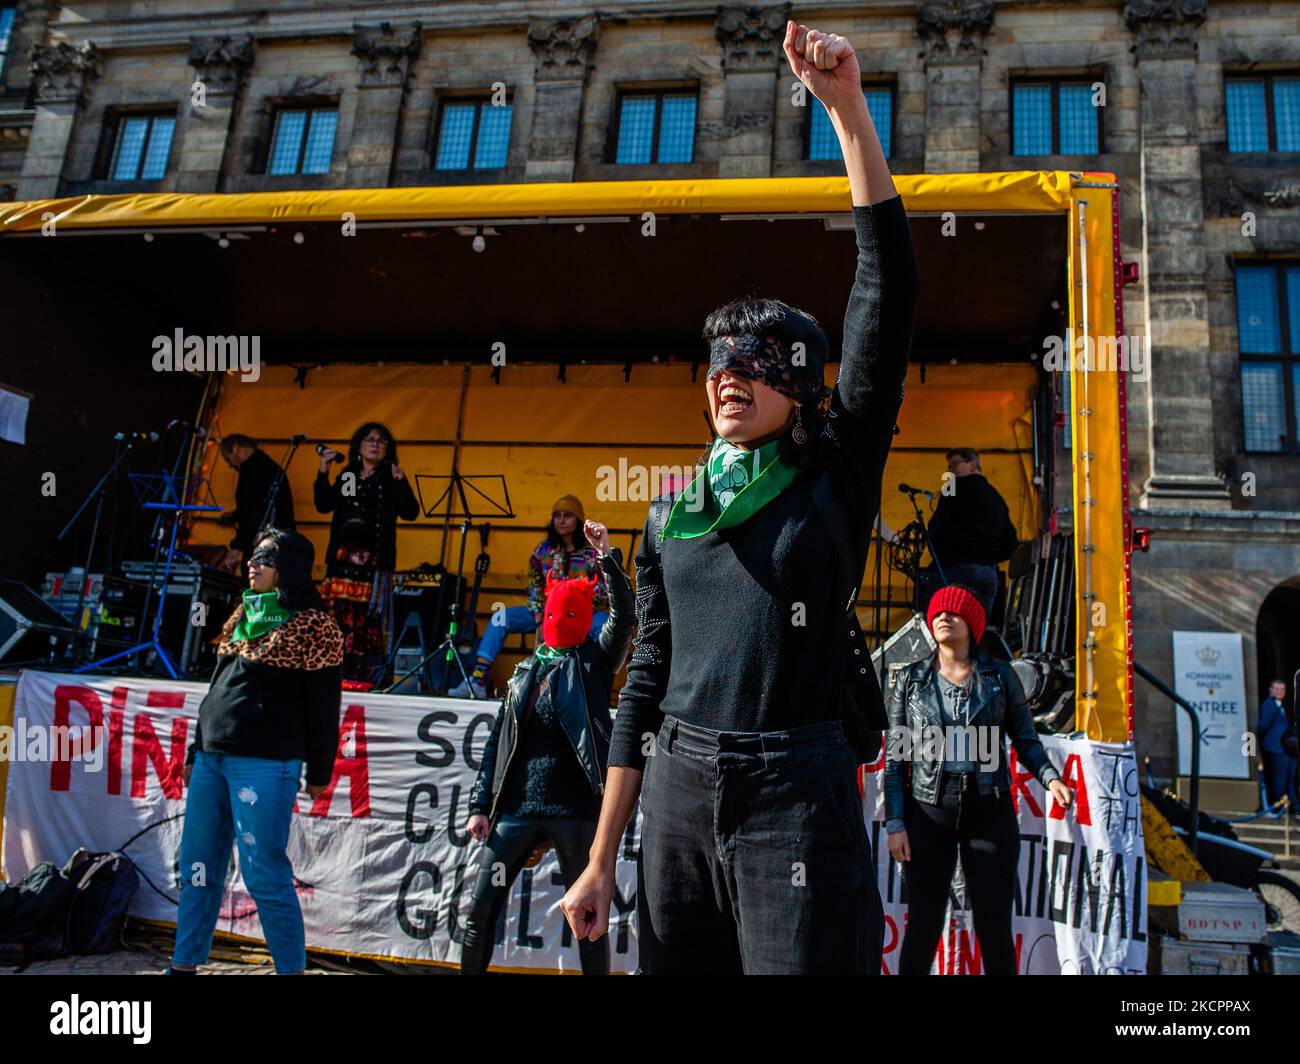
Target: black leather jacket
<point>580,686</point>
<point>915,704</point>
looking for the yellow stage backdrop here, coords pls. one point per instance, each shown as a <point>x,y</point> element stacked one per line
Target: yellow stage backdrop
<point>595,435</point>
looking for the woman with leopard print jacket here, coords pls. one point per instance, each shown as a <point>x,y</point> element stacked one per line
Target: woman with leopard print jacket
<point>272,707</point>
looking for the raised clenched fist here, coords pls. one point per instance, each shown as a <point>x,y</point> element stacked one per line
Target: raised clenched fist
<point>826,64</point>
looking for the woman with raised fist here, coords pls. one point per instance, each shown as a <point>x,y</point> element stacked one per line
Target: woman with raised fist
<point>543,767</point>
<point>731,726</point>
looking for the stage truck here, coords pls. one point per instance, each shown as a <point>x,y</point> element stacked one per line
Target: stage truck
<point>528,341</point>
<point>544,338</point>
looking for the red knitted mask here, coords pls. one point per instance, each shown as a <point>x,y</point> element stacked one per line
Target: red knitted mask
<point>567,618</point>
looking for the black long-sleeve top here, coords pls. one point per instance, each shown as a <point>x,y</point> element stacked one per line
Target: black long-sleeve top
<point>719,642</point>
<point>257,475</point>
<point>972,525</point>
<point>379,500</point>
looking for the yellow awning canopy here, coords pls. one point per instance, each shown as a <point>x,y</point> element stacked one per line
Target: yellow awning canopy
<point>1014,191</point>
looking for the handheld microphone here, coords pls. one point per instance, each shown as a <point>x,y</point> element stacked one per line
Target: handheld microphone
<point>321,449</point>
<point>909,490</point>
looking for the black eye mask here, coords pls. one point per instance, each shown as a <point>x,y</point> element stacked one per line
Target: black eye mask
<point>768,360</point>
<point>267,556</point>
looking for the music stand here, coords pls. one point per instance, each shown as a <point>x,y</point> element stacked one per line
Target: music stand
<point>465,490</point>
<point>163,493</point>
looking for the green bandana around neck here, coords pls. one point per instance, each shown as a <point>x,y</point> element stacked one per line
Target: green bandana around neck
<point>262,613</point>
<point>734,485</point>
<point>547,655</point>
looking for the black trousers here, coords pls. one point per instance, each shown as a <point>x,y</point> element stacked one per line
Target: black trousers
<point>985,832</point>
<point>754,855</point>
<point>509,845</point>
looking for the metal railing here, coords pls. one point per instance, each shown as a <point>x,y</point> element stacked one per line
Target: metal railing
<point>1194,781</point>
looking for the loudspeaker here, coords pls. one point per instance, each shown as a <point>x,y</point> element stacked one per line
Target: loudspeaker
<point>28,623</point>
<point>910,643</point>
<point>423,600</point>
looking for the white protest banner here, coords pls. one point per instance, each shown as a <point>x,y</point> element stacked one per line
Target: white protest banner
<point>383,864</point>
<point>1209,672</point>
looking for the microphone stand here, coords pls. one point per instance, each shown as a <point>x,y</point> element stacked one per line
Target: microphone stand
<point>911,494</point>
<point>98,494</point>
<point>273,495</point>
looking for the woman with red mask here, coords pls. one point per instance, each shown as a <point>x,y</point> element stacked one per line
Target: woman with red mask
<point>562,553</point>
<point>543,768</point>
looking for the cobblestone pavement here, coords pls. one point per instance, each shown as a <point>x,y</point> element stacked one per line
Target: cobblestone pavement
<point>136,962</point>
<point>152,962</point>
<point>147,951</point>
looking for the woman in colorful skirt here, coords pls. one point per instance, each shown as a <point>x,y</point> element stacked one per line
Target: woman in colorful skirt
<point>366,499</point>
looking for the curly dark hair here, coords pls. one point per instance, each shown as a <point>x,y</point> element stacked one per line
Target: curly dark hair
<point>294,589</point>
<point>354,446</point>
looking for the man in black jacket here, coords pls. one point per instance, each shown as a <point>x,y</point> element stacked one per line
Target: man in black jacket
<point>971,531</point>
<point>543,769</point>
<point>258,474</point>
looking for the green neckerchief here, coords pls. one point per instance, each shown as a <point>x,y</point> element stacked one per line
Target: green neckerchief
<point>262,612</point>
<point>734,485</point>
<point>546,655</point>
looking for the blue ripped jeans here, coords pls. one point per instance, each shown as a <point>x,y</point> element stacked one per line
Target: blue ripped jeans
<point>247,801</point>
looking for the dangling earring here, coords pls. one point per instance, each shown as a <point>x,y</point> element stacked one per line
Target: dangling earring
<point>799,434</point>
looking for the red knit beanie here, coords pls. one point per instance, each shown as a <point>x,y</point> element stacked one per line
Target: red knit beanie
<point>954,599</point>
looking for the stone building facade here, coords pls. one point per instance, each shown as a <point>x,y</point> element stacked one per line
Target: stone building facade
<point>1225,519</point>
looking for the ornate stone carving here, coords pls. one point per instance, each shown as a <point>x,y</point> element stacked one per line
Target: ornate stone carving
<point>221,62</point>
<point>62,73</point>
<point>385,52</point>
<point>1164,29</point>
<point>954,31</point>
<point>563,47</point>
<point>1233,186</point>
<point>751,36</point>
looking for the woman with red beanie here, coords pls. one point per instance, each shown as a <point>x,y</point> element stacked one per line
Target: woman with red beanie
<point>956,706</point>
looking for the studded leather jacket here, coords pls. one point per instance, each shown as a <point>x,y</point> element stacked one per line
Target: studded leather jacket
<point>580,686</point>
<point>915,711</point>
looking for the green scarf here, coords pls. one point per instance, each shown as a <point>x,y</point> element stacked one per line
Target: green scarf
<point>734,485</point>
<point>547,655</point>
<point>262,612</point>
